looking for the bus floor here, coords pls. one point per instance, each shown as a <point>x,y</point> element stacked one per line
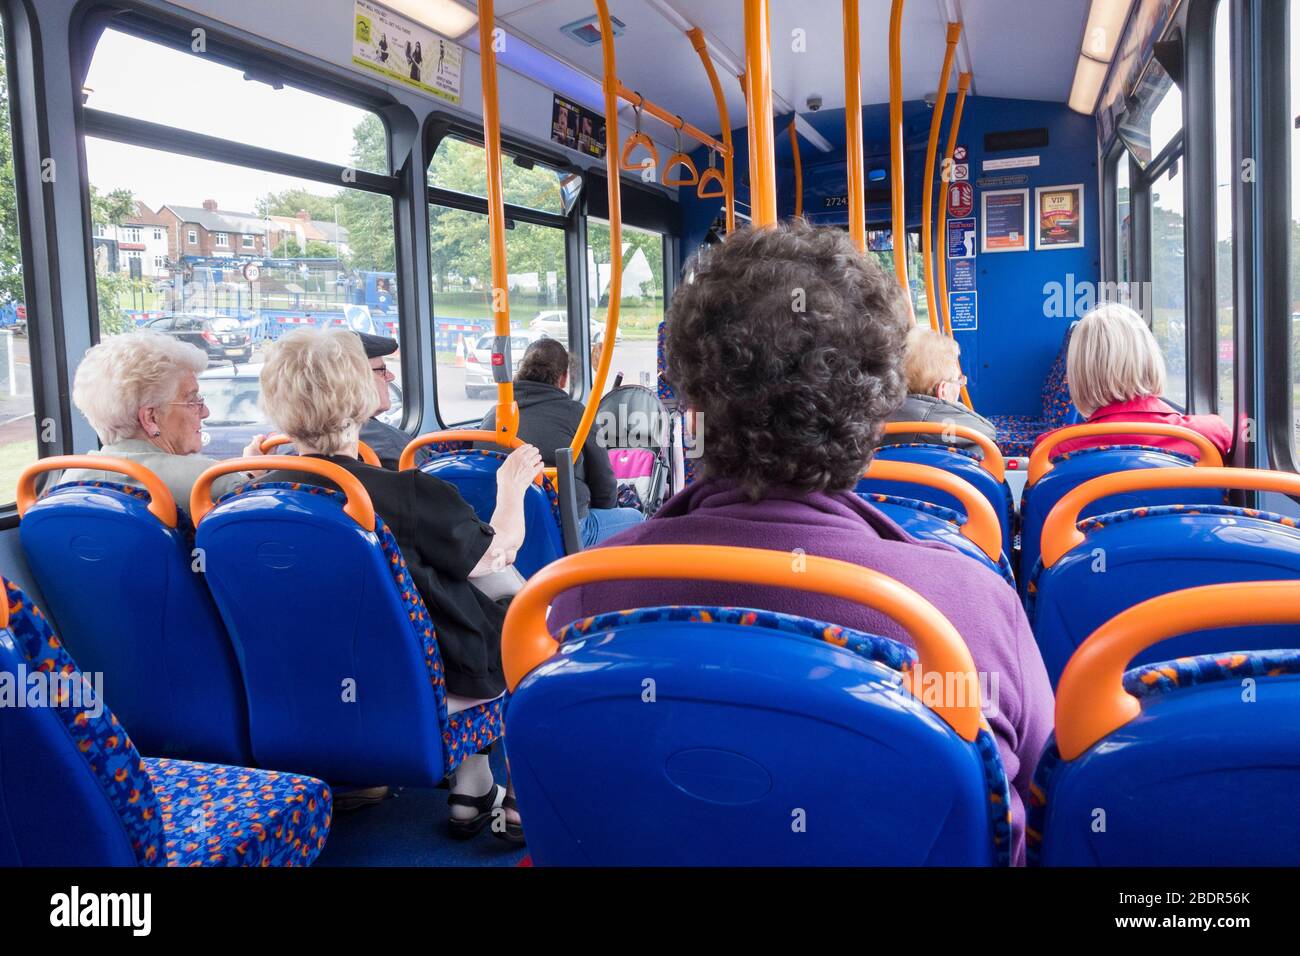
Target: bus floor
<point>410,829</point>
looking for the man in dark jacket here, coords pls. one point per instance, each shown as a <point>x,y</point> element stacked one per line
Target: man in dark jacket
<point>386,441</point>
<point>548,419</point>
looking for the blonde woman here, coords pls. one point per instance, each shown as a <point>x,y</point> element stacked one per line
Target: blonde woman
<point>933,370</point>
<point>140,392</point>
<point>318,388</point>
<point>1117,374</point>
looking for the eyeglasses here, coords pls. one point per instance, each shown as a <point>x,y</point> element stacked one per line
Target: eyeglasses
<point>197,402</point>
<point>383,370</point>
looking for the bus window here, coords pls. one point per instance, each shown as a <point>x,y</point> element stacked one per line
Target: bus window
<point>1168,289</point>
<point>234,254</point>
<point>642,306</point>
<point>1123,219</point>
<point>880,245</point>
<point>1293,56</point>
<point>1223,180</point>
<point>458,166</point>
<point>17,409</point>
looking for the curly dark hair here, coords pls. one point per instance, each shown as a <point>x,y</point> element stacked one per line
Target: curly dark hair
<point>790,344</point>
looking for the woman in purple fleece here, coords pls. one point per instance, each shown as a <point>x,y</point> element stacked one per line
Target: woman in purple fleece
<point>786,347</point>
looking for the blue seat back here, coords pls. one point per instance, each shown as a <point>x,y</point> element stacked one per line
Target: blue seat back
<point>961,462</point>
<point>474,473</point>
<point>926,521</point>
<point>130,604</point>
<point>1197,779</point>
<point>1129,556</point>
<point>338,651</point>
<point>1072,469</point>
<point>705,728</point>
<point>72,788</point>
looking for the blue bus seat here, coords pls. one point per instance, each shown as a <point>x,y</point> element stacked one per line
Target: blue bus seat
<point>123,587</point>
<point>1111,562</point>
<point>1184,771</point>
<point>741,733</point>
<point>339,654</point>
<point>1016,434</point>
<point>74,791</point>
<point>927,521</point>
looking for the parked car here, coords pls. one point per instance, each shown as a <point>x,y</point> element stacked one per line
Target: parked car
<point>555,324</point>
<point>235,416</point>
<point>478,363</point>
<point>223,338</point>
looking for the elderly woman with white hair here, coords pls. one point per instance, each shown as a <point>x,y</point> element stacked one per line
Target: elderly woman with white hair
<point>318,388</point>
<point>140,392</point>
<point>1116,374</point>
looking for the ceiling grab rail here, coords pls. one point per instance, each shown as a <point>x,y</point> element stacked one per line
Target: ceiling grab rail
<point>927,193</point>
<point>758,75</point>
<point>798,169</point>
<point>728,181</point>
<point>681,159</point>
<point>507,414</point>
<point>898,233</point>
<point>856,169</point>
<point>941,272</point>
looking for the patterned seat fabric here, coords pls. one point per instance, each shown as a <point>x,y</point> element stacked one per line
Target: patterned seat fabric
<point>464,733</point>
<point>443,448</point>
<point>1017,433</point>
<point>881,650</point>
<point>955,518</point>
<point>1145,682</point>
<point>286,818</point>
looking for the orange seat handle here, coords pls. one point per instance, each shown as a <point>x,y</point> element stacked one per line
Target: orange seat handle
<point>982,526</point>
<point>692,176</point>
<point>526,643</point>
<point>4,604</point>
<point>161,503</point>
<point>457,434</point>
<point>1060,531</point>
<point>357,506</point>
<point>366,453</point>
<point>1091,701</point>
<point>993,461</point>
<point>1040,460</point>
<point>711,175</point>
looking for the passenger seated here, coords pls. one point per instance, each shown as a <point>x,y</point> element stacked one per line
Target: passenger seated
<point>318,388</point>
<point>794,402</point>
<point>384,440</point>
<point>1116,374</point>
<point>140,392</point>
<point>934,381</point>
<point>548,418</point>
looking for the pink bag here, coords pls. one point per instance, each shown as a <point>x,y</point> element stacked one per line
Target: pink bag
<point>631,463</point>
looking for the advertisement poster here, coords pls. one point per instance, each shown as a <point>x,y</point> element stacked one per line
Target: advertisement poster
<point>1006,220</point>
<point>1059,214</point>
<point>403,50</point>
<point>961,238</point>
<point>963,309</point>
<point>961,275</point>
<point>577,128</point>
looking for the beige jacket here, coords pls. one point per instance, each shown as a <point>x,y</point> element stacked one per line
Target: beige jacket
<point>178,472</point>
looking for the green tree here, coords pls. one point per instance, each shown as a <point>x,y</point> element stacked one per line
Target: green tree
<point>368,217</point>
<point>290,201</point>
<point>11,255</point>
<point>110,210</point>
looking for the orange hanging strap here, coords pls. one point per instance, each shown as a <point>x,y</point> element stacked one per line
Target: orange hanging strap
<point>697,41</point>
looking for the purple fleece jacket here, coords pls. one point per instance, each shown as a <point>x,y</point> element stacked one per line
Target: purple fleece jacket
<point>983,608</point>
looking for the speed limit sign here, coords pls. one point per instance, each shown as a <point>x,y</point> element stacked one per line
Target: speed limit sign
<point>252,271</point>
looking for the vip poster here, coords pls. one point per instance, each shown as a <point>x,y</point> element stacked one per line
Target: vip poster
<point>1005,220</point>
<point>405,51</point>
<point>1059,216</point>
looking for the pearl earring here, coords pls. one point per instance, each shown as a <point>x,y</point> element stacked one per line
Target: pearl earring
<point>156,434</point>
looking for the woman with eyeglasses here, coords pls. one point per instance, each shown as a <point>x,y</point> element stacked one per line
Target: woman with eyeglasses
<point>934,382</point>
<point>140,392</point>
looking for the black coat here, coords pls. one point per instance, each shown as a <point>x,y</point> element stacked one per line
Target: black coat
<point>548,419</point>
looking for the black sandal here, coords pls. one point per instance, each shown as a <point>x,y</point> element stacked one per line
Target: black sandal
<point>483,806</point>
<point>512,833</point>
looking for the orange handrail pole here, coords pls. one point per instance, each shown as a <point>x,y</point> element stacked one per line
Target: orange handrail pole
<point>798,169</point>
<point>927,195</point>
<point>507,409</point>
<point>702,48</point>
<point>672,119</point>
<point>941,217</point>
<point>611,88</point>
<point>1091,701</point>
<point>898,195</point>
<point>527,643</point>
<point>758,72</point>
<point>853,126</point>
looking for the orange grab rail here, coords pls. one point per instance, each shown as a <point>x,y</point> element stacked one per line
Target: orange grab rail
<point>798,169</point>
<point>463,434</point>
<point>993,461</point>
<point>982,527</point>
<point>927,194</point>
<point>4,604</point>
<point>670,119</point>
<point>856,168</point>
<point>1040,459</point>
<point>898,198</point>
<point>526,643</point>
<point>366,453</point>
<point>161,503</point>
<point>758,75</point>
<point>1060,533</point>
<point>680,158</point>
<point>638,138</point>
<point>358,506</point>
<point>697,40</point>
<point>1091,701</point>
<point>712,175</point>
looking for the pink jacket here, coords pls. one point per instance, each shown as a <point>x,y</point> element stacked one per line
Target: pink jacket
<point>1149,409</point>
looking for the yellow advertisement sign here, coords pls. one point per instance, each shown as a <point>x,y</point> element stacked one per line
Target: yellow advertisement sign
<point>402,50</point>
